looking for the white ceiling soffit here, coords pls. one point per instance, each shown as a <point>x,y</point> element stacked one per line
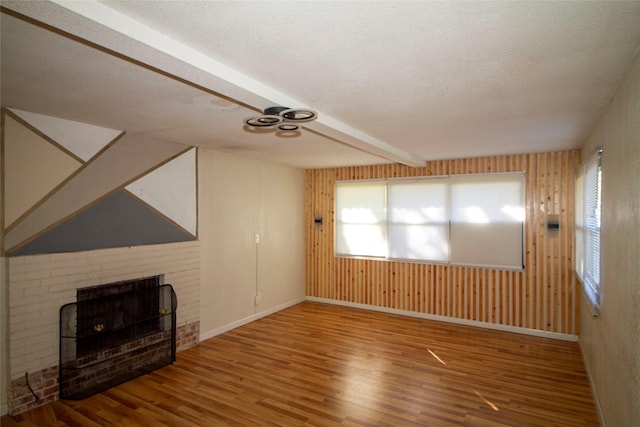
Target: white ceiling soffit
<point>131,38</point>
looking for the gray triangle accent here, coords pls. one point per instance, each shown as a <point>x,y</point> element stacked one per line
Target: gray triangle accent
<point>118,221</point>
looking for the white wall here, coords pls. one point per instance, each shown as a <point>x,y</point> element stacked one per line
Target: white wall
<point>611,343</point>
<point>239,198</point>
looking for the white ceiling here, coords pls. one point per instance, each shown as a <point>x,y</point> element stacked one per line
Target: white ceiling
<point>391,80</point>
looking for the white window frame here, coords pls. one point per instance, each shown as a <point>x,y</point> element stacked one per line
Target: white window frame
<point>588,220</point>
<point>517,242</point>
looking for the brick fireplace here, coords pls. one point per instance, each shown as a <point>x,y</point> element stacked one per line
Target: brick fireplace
<point>39,285</point>
<point>114,333</point>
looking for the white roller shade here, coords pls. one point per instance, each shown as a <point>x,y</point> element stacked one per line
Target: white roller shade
<point>463,219</point>
<point>419,220</point>
<point>361,219</point>
<point>487,219</point>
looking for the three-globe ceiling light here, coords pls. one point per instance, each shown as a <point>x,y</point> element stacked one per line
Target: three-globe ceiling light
<point>282,118</point>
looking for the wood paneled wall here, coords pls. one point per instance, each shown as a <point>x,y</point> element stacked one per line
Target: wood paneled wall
<point>543,296</point>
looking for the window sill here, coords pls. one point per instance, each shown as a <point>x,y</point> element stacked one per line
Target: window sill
<point>593,310</point>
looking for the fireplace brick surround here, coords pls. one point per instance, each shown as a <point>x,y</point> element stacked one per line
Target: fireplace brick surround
<point>45,382</point>
<point>40,284</point>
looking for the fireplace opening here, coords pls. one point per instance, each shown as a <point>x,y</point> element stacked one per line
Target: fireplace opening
<point>124,311</point>
<point>115,332</point>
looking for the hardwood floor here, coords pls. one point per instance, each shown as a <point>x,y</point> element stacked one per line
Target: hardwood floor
<point>318,364</point>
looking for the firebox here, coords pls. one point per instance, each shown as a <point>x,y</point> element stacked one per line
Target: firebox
<point>114,333</point>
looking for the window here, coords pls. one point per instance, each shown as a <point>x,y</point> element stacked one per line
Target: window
<point>588,218</point>
<point>463,219</point>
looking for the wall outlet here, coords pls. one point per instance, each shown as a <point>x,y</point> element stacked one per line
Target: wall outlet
<point>257,298</point>
<point>257,238</point>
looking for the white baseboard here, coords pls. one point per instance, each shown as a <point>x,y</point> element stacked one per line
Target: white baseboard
<point>475,323</point>
<point>594,393</point>
<point>249,319</point>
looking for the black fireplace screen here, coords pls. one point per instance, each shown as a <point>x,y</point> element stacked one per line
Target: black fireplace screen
<point>114,333</point>
<point>122,311</point>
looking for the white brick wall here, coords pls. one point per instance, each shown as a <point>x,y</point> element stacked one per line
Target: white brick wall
<point>40,284</point>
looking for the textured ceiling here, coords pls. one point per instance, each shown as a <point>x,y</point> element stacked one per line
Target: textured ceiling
<point>392,81</point>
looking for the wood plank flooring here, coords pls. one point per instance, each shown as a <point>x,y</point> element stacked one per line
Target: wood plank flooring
<point>324,365</point>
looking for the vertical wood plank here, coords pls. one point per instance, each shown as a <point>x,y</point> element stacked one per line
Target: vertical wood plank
<point>543,296</point>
